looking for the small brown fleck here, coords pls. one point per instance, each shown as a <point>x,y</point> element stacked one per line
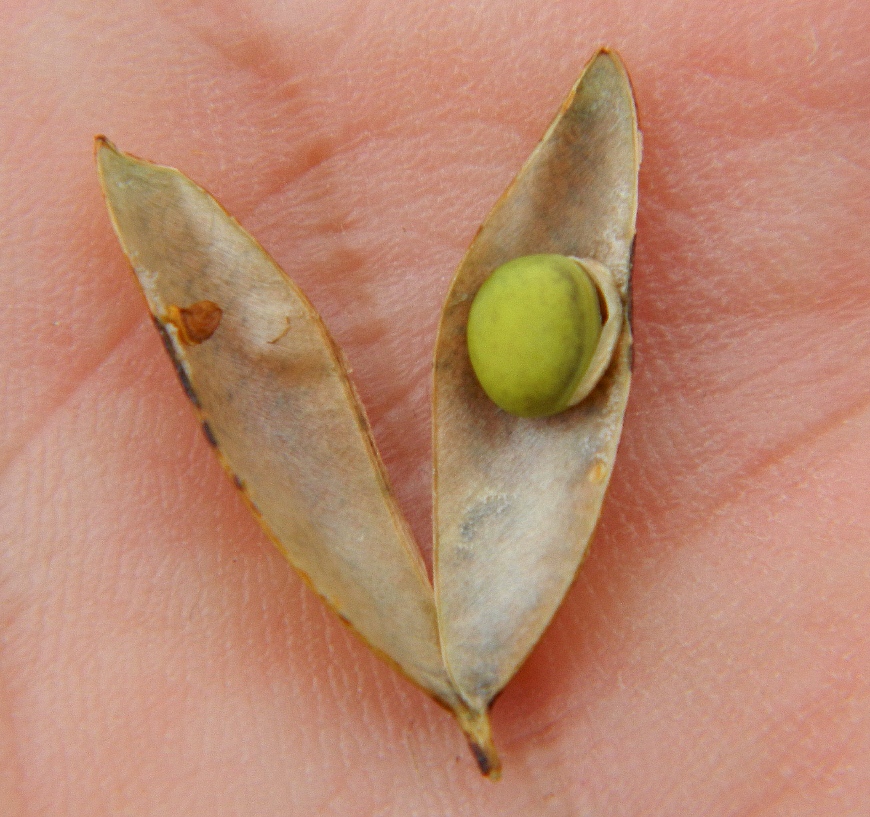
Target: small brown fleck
<point>195,323</point>
<point>598,472</point>
<point>238,482</point>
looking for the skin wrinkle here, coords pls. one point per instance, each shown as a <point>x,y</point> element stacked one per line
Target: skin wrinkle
<point>359,152</point>
<point>562,715</point>
<point>752,472</point>
<point>398,129</point>
<point>11,767</point>
<point>777,730</point>
<point>794,115</point>
<point>774,298</point>
<point>45,318</point>
<point>818,771</point>
<point>256,51</point>
<point>809,439</point>
<point>751,458</point>
<point>276,72</point>
<point>296,110</point>
<point>544,725</point>
<point>16,452</point>
<point>291,173</point>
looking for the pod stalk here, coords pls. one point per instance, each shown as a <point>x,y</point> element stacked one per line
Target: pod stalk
<point>475,726</point>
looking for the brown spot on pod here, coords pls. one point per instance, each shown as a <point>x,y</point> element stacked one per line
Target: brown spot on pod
<point>195,323</point>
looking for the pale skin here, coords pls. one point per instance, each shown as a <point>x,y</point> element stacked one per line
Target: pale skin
<point>159,656</point>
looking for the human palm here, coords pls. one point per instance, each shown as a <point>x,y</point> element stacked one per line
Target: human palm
<point>158,655</point>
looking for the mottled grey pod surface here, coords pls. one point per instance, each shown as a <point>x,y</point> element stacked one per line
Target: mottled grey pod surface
<point>275,401</point>
<point>517,500</point>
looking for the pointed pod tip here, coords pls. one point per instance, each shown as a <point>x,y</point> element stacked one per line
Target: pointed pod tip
<point>109,156</point>
<point>487,761</point>
<point>103,145</point>
<point>607,51</point>
<point>611,54</point>
<point>106,156</point>
<point>475,726</point>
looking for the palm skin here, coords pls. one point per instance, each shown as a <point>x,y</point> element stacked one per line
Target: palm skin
<point>159,657</point>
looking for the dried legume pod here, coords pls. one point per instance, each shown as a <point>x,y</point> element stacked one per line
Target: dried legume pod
<point>272,392</point>
<point>275,401</point>
<point>517,498</point>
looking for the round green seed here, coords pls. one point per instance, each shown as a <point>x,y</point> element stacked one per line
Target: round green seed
<point>532,330</point>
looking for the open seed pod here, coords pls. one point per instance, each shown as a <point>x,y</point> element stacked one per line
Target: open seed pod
<point>516,500</point>
<point>275,401</point>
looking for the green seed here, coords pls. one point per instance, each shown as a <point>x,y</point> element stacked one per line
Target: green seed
<point>532,330</point>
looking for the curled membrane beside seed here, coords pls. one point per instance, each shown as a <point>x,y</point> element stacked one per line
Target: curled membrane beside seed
<point>541,332</point>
